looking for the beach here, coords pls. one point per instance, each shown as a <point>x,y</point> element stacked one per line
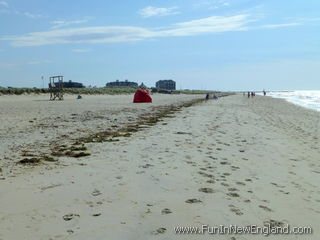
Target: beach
<point>105,168</point>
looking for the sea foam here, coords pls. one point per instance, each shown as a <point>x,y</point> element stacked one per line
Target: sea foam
<point>308,99</point>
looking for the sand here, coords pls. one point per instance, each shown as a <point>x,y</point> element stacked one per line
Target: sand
<point>233,161</point>
<point>32,123</point>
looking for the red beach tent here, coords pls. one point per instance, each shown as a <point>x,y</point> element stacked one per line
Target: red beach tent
<point>142,96</point>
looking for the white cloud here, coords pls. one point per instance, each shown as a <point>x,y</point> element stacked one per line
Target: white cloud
<point>109,34</point>
<point>11,10</point>
<point>271,26</point>
<point>81,35</point>
<point>4,3</point>
<point>211,4</point>
<point>112,34</point>
<point>214,24</point>
<point>32,15</point>
<point>157,12</point>
<point>35,62</point>
<point>63,23</point>
<point>82,50</point>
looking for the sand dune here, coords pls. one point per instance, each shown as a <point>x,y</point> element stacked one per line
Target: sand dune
<point>232,161</point>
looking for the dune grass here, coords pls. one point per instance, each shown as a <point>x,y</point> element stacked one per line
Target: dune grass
<point>101,90</point>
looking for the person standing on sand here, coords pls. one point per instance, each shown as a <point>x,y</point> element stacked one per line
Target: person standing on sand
<point>248,94</point>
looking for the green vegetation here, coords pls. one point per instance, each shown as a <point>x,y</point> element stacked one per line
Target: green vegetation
<point>19,91</point>
<point>187,91</point>
<point>102,90</point>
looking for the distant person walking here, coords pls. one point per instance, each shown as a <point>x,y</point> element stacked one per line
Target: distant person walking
<point>248,94</point>
<point>264,92</point>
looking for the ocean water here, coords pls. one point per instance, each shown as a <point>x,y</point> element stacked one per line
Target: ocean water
<point>308,99</point>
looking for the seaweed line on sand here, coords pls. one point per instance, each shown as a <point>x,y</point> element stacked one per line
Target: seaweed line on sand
<point>77,149</point>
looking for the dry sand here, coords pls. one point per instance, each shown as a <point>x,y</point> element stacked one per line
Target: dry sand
<point>232,161</point>
<point>33,124</point>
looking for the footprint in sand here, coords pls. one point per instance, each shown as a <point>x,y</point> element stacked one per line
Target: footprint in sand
<point>70,231</point>
<point>224,163</point>
<point>235,210</point>
<point>233,194</point>
<point>265,208</point>
<point>70,216</point>
<point>206,174</point>
<point>160,230</point>
<point>234,168</point>
<point>193,200</point>
<point>277,185</point>
<point>293,159</point>
<point>240,183</point>
<point>146,165</point>
<point>284,192</point>
<point>96,192</point>
<point>206,190</point>
<point>211,181</point>
<point>273,223</point>
<point>166,211</point>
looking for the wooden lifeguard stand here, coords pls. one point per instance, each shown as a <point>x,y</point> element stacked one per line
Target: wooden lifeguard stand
<point>56,88</point>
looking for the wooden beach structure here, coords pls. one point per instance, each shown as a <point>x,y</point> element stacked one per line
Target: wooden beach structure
<point>56,87</point>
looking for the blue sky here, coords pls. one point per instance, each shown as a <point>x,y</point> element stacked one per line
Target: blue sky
<point>201,44</point>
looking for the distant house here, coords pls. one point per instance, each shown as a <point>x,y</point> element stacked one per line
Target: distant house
<point>118,83</point>
<point>166,84</point>
<point>142,85</point>
<point>71,84</point>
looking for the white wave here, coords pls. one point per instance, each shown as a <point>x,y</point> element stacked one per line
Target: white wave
<point>308,99</point>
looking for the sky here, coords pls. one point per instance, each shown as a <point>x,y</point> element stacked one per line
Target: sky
<point>222,45</point>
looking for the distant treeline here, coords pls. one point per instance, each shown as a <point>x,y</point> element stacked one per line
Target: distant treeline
<point>102,90</point>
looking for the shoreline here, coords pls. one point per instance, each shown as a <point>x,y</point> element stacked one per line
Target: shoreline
<point>233,161</point>
<point>300,102</point>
